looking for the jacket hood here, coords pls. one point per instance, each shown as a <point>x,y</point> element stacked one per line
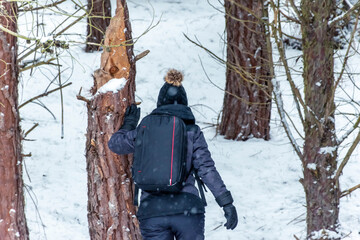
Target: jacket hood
<point>178,110</point>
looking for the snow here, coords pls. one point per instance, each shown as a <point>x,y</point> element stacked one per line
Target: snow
<point>311,166</point>
<point>324,233</point>
<point>113,85</point>
<point>6,87</point>
<point>327,150</point>
<point>263,176</point>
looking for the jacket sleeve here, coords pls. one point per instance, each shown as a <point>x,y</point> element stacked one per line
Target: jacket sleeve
<point>205,165</point>
<point>123,141</point>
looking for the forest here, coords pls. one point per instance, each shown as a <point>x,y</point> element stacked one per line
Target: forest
<point>273,86</point>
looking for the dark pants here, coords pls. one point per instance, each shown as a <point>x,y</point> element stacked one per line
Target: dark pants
<point>180,226</point>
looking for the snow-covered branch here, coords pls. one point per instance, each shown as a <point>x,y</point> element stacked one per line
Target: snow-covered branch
<point>280,105</point>
<point>347,134</point>
<point>346,14</point>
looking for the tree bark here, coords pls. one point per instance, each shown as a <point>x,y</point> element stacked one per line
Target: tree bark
<point>320,152</point>
<point>12,216</point>
<point>247,101</point>
<point>98,20</point>
<point>111,213</point>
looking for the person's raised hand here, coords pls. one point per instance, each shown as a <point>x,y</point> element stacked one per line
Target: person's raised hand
<point>131,118</point>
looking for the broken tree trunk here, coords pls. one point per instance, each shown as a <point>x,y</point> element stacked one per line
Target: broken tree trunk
<point>12,216</point>
<point>111,214</point>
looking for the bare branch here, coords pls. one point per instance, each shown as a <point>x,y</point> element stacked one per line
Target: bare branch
<point>44,94</point>
<point>26,155</point>
<point>32,128</point>
<point>346,158</point>
<point>344,15</point>
<point>227,92</point>
<point>16,34</point>
<point>243,73</point>
<point>349,191</point>
<point>346,57</point>
<point>280,105</point>
<point>347,134</point>
<point>55,36</point>
<point>290,18</point>
<point>141,55</point>
<point>48,62</point>
<point>295,8</point>
<point>42,7</point>
<point>79,97</point>
<point>296,93</point>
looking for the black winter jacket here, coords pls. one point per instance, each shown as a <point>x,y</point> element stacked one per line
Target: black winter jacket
<point>198,157</point>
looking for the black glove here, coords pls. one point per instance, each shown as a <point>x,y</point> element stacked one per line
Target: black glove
<point>131,119</point>
<point>231,216</point>
<point>225,200</point>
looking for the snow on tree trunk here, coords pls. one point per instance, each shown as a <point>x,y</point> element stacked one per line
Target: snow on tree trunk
<point>97,24</point>
<point>12,216</point>
<point>320,152</point>
<point>111,213</point>
<point>247,101</point>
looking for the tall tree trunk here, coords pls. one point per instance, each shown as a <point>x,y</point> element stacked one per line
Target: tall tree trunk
<point>111,213</point>
<point>320,152</point>
<point>247,101</point>
<point>98,20</point>
<point>12,216</point>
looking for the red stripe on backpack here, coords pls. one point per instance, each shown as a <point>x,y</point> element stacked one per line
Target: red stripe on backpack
<point>172,152</point>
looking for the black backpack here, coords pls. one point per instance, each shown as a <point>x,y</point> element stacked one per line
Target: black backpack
<point>160,154</point>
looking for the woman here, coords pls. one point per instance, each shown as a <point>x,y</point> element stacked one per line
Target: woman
<point>164,216</point>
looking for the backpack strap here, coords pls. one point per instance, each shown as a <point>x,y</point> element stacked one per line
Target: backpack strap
<point>201,186</point>
<point>136,195</point>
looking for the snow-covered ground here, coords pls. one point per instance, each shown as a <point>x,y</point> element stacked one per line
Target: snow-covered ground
<point>262,175</point>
